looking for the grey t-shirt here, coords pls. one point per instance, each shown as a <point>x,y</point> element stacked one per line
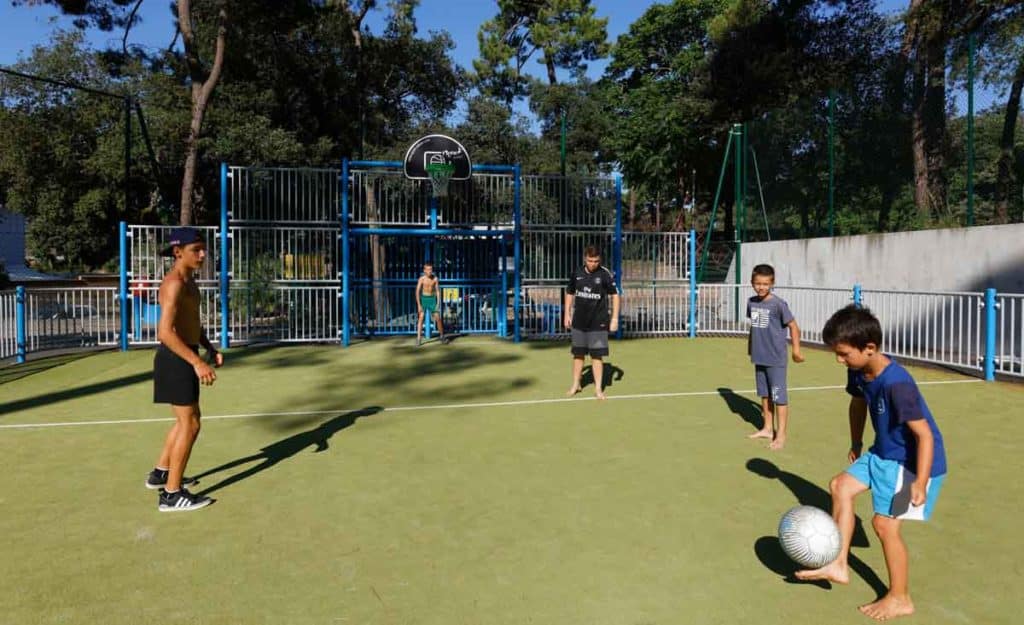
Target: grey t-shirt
<point>768,334</point>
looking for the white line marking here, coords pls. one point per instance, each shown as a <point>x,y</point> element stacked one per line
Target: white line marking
<point>490,404</point>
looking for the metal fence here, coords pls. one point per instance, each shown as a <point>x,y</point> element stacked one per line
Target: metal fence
<point>9,324</point>
<point>981,332</point>
<point>1009,334</point>
<point>941,328</point>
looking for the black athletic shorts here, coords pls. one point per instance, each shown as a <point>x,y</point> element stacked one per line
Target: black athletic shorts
<point>174,380</point>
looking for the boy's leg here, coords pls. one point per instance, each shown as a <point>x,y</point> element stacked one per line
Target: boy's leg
<point>185,430</point>
<point>766,430</point>
<point>761,384</point>
<point>419,327</point>
<point>782,411</point>
<point>597,369</point>
<point>897,601</point>
<point>440,326</point>
<point>780,400</point>
<point>844,489</point>
<point>577,373</point>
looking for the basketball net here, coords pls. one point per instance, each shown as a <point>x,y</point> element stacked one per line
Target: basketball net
<point>440,174</point>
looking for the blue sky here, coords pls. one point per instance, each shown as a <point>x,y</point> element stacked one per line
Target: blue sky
<point>24,27</point>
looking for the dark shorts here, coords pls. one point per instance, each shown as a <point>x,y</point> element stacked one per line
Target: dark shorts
<point>174,380</point>
<point>429,303</point>
<point>771,383</point>
<point>593,342</point>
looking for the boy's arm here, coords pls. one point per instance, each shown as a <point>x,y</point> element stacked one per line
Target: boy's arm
<point>858,417</point>
<point>569,298</point>
<point>614,324</point>
<point>794,337</point>
<point>925,453</point>
<point>218,358</point>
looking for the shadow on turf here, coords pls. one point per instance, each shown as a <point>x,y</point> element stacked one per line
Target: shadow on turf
<point>610,373</point>
<point>768,549</point>
<point>746,409</point>
<point>285,448</point>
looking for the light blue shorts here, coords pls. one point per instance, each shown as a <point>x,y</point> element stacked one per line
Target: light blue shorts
<point>890,483</point>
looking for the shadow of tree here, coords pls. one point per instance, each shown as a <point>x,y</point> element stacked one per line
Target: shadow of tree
<point>286,448</point>
<point>768,549</point>
<point>746,409</point>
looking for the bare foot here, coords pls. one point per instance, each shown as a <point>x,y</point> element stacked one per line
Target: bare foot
<point>888,607</point>
<point>833,572</point>
<point>778,443</point>
<point>762,433</point>
<point>572,391</point>
<point>600,395</point>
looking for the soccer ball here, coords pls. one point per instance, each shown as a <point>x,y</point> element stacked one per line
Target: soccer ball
<point>809,536</point>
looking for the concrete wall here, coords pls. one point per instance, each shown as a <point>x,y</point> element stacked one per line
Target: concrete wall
<point>955,259</point>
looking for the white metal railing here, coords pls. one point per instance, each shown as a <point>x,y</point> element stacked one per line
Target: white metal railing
<point>284,313</point>
<point>811,307</point>
<point>281,194</point>
<point>943,328</point>
<point>8,324</point>
<point>660,309</point>
<point>61,318</point>
<point>146,242</point>
<point>722,309</point>
<point>144,316</point>
<point>1009,355</point>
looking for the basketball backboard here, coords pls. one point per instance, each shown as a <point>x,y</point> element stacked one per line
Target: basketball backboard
<point>437,150</point>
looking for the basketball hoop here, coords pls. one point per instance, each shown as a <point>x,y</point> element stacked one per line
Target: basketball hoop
<point>440,174</point>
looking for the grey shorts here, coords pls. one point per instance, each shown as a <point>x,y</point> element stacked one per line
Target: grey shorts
<point>593,342</point>
<point>771,383</point>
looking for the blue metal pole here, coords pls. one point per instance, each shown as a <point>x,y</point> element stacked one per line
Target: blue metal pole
<point>346,326</point>
<point>990,335</point>
<point>19,316</point>
<point>692,315</point>
<point>225,267</point>
<point>122,290</point>
<point>517,220</point>
<point>618,243</point>
<point>857,297</point>
<point>502,299</point>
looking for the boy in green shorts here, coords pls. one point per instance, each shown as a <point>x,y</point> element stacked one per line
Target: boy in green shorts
<point>427,293</point>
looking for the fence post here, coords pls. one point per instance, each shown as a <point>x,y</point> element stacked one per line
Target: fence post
<point>692,270</point>
<point>990,334</point>
<point>19,316</point>
<point>225,274</point>
<point>618,246</point>
<point>503,296</point>
<point>122,289</point>
<point>346,326</point>
<point>857,297</point>
<point>517,243</point>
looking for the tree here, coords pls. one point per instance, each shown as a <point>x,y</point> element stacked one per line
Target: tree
<point>664,125</point>
<point>62,156</point>
<point>566,33</point>
<point>109,14</point>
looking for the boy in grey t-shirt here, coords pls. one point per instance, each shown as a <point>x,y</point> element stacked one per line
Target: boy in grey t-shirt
<point>769,318</point>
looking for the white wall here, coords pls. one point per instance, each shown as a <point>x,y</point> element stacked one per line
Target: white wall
<point>955,259</point>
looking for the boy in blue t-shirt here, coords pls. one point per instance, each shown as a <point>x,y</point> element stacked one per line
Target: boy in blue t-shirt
<point>904,468</point>
<point>769,319</point>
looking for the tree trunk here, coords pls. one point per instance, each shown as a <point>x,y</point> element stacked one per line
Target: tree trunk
<point>1005,181</point>
<point>552,78</point>
<point>925,38</point>
<point>202,89</point>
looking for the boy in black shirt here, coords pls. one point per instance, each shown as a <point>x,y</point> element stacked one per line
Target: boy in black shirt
<point>586,315</point>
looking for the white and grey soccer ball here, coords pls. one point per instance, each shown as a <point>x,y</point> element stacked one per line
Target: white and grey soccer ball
<point>809,536</point>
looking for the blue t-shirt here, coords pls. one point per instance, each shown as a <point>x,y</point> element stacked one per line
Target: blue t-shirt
<point>768,320</point>
<point>893,400</point>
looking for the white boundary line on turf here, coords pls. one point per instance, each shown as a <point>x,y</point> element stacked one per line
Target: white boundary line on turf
<point>490,404</point>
